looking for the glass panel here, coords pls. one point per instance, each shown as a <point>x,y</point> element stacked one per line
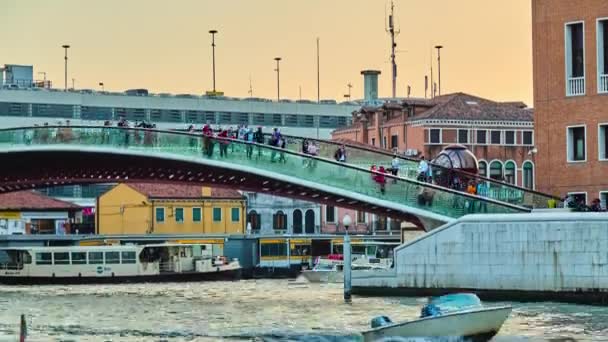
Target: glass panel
<point>112,257</point>
<point>496,170</point>
<point>79,258</point>
<point>495,137</point>
<point>509,137</point>
<point>61,258</point>
<point>160,215</point>
<point>528,137</point>
<point>435,135</point>
<point>44,258</point>
<point>236,214</point>
<point>528,174</point>
<point>128,257</point>
<point>578,58</point>
<point>330,214</point>
<point>578,143</point>
<point>510,172</point>
<point>197,214</point>
<point>483,169</point>
<point>95,258</point>
<point>463,136</point>
<point>481,137</point>
<point>217,214</point>
<point>179,215</point>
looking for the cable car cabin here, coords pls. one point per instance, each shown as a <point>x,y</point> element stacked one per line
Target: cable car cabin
<point>288,254</point>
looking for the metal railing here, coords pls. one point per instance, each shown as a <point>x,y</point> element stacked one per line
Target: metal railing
<point>576,86</point>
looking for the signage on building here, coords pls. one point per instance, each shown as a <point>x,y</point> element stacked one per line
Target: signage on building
<point>10,215</point>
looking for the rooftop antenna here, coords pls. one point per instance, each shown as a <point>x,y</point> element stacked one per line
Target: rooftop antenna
<point>393,32</point>
<point>250,87</point>
<point>431,60</point>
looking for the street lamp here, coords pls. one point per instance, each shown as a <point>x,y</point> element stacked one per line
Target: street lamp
<point>346,222</point>
<point>102,87</point>
<point>439,47</point>
<point>278,59</point>
<point>213,32</point>
<point>66,47</point>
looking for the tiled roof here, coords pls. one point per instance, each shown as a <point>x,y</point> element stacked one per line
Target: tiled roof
<point>32,200</point>
<point>460,106</point>
<point>181,191</point>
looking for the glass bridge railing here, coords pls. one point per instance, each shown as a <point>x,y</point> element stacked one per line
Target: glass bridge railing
<point>280,162</point>
<point>366,156</point>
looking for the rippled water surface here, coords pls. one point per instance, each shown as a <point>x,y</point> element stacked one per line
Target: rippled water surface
<point>249,310</point>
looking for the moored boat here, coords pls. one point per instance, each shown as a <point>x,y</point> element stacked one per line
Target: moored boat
<point>331,269</point>
<point>456,315</point>
<point>114,264</point>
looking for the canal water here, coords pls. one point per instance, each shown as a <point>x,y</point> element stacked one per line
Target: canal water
<point>249,310</point>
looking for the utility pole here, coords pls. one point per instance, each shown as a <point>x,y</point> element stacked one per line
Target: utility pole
<point>432,79</point>
<point>66,47</point>
<point>426,85</point>
<point>213,32</point>
<point>391,30</point>
<point>350,86</point>
<point>250,88</point>
<point>318,74</point>
<point>439,47</point>
<point>278,59</point>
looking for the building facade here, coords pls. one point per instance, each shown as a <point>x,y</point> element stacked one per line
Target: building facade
<point>146,208</point>
<point>500,134</point>
<point>269,214</point>
<point>29,212</point>
<point>570,51</point>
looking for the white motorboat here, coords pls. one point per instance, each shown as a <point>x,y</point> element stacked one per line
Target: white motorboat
<point>456,315</point>
<point>331,270</point>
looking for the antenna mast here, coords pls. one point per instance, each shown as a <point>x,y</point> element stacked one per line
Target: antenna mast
<point>393,32</point>
<point>250,87</point>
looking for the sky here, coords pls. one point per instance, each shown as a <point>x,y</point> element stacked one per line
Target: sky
<point>165,46</point>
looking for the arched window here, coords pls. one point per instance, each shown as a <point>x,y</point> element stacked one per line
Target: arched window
<point>279,221</point>
<point>297,221</point>
<point>309,221</point>
<point>528,175</point>
<point>254,219</point>
<point>496,170</point>
<point>483,168</point>
<point>510,176</point>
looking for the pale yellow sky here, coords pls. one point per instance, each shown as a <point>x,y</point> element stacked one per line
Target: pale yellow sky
<point>164,45</point>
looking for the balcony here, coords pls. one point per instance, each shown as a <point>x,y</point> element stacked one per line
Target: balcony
<point>602,83</point>
<point>576,86</point>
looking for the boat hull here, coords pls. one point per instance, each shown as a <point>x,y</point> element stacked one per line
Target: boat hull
<point>227,275</point>
<point>479,324</point>
<point>324,277</point>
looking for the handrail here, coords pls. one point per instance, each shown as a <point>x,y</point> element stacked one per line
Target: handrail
<point>302,155</point>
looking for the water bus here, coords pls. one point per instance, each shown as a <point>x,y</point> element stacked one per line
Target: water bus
<point>114,264</point>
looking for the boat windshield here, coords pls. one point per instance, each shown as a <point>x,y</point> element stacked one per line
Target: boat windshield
<point>450,303</point>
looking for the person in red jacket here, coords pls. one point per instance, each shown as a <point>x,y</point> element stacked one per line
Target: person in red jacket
<point>224,142</point>
<point>380,179</point>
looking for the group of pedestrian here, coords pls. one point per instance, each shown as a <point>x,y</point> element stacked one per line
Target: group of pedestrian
<point>310,148</point>
<point>578,204</point>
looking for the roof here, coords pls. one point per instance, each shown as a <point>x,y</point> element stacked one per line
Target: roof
<point>460,106</point>
<point>181,191</point>
<point>32,200</point>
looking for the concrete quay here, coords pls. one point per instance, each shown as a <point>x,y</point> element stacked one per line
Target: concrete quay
<point>557,256</point>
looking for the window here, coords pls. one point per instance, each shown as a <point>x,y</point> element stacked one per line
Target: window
<point>482,137</point>
<point>510,176</point>
<point>576,144</point>
<point>602,55</point>
<point>495,137</point>
<point>373,141</point>
<point>217,214</point>
<point>79,258</point>
<point>160,215</point>
<point>279,221</point>
<point>273,249</point>
<point>112,257</point>
<point>509,138</point>
<point>394,141</point>
<point>579,197</point>
<point>297,221</point>
<point>483,169</point>
<point>496,170</point>
<point>528,137</point>
<point>236,214</point>
<point>603,142</point>
<point>330,214</point>
<point>254,219</point>
<point>61,258</point>
<point>604,199</point>
<point>179,215</point>
<point>197,214</point>
<point>528,175</point>
<point>44,258</point>
<point>95,258</point>
<point>435,136</point>
<point>128,257</point>
<point>575,59</point>
<point>463,136</point>
<point>360,217</point>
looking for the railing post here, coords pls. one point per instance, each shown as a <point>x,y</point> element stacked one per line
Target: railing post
<point>347,269</point>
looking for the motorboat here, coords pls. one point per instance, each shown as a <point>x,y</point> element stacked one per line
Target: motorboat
<point>114,264</point>
<point>454,315</point>
<point>331,269</point>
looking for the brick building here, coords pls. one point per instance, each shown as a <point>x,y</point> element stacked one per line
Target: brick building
<point>500,134</point>
<point>570,49</point>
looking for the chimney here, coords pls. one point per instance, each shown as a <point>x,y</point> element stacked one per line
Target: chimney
<point>370,81</point>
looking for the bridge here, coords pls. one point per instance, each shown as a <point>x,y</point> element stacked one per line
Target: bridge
<point>35,157</point>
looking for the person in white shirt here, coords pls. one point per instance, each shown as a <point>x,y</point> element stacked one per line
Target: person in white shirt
<point>423,169</point>
<point>395,165</point>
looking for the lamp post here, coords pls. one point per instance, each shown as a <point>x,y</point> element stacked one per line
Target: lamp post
<point>66,47</point>
<point>213,32</point>
<point>278,59</point>
<point>102,87</point>
<point>346,221</point>
<point>439,47</point>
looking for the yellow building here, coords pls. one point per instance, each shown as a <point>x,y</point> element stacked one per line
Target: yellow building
<point>148,208</point>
